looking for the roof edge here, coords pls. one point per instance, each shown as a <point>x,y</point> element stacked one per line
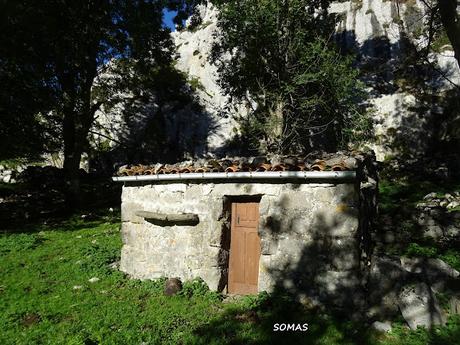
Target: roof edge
<point>295,175</point>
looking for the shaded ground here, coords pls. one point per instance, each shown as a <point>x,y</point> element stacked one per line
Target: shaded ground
<point>42,200</point>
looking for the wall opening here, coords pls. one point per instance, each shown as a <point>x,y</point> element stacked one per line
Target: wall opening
<point>225,237</point>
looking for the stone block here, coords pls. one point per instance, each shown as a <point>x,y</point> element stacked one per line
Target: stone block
<point>327,222</point>
<point>172,187</point>
<point>222,189</point>
<point>213,233</point>
<point>268,245</point>
<point>210,275</point>
<point>131,233</point>
<point>193,193</point>
<point>128,212</point>
<point>295,200</point>
<point>129,193</point>
<point>345,192</point>
<point>264,206</point>
<point>419,306</point>
<point>268,189</point>
<point>454,305</point>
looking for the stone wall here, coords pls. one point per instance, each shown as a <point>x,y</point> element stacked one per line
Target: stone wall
<point>310,236</point>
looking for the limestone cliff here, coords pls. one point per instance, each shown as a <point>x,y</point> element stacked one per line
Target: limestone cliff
<point>381,33</point>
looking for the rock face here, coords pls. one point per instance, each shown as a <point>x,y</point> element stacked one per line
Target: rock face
<point>386,279</point>
<point>193,52</point>
<point>419,306</point>
<point>10,174</point>
<point>382,33</point>
<point>439,217</point>
<point>382,326</point>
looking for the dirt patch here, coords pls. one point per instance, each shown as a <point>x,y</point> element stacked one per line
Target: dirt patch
<point>30,319</point>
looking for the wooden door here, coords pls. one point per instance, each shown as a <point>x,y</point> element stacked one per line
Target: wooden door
<point>243,275</point>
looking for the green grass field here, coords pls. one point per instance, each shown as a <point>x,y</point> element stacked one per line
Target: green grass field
<point>46,298</point>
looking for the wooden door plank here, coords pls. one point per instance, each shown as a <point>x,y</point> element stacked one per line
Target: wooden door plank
<point>244,249</point>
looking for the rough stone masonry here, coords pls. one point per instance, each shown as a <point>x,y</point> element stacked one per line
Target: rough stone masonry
<point>313,235</point>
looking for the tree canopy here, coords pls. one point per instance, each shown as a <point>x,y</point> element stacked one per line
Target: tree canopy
<point>53,50</point>
<point>284,62</point>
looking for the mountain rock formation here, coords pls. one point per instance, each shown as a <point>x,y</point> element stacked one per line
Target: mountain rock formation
<point>410,94</point>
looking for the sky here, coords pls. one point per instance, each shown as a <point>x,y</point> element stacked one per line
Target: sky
<point>168,19</point>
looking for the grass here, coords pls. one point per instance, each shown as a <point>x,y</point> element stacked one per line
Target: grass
<point>46,298</point>
<point>395,193</point>
<point>14,162</point>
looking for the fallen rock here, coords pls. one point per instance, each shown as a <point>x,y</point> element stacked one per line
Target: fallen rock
<point>386,279</point>
<point>172,286</point>
<point>434,232</point>
<point>453,204</point>
<point>431,268</point>
<point>419,306</point>
<point>454,305</point>
<point>430,196</point>
<point>382,326</point>
<point>114,265</point>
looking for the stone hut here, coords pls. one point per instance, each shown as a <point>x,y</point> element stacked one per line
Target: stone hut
<point>252,225</point>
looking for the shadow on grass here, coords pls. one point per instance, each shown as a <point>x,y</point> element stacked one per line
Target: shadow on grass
<point>264,320</point>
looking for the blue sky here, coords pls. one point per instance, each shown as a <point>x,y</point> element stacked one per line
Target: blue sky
<point>168,19</point>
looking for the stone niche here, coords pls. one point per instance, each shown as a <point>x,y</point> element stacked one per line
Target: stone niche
<point>314,237</point>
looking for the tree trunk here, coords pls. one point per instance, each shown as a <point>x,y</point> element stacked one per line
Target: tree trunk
<point>76,126</point>
<point>450,19</point>
<point>72,179</point>
<point>72,156</point>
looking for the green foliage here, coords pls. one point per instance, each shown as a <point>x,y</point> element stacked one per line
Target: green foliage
<point>416,250</point>
<point>198,287</point>
<point>441,41</point>
<point>283,62</point>
<point>452,257</point>
<point>448,335</point>
<point>196,84</point>
<point>426,249</point>
<point>59,59</point>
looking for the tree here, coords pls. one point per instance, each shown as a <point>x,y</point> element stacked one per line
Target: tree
<point>442,21</point>
<point>65,45</point>
<point>450,19</point>
<point>283,61</point>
